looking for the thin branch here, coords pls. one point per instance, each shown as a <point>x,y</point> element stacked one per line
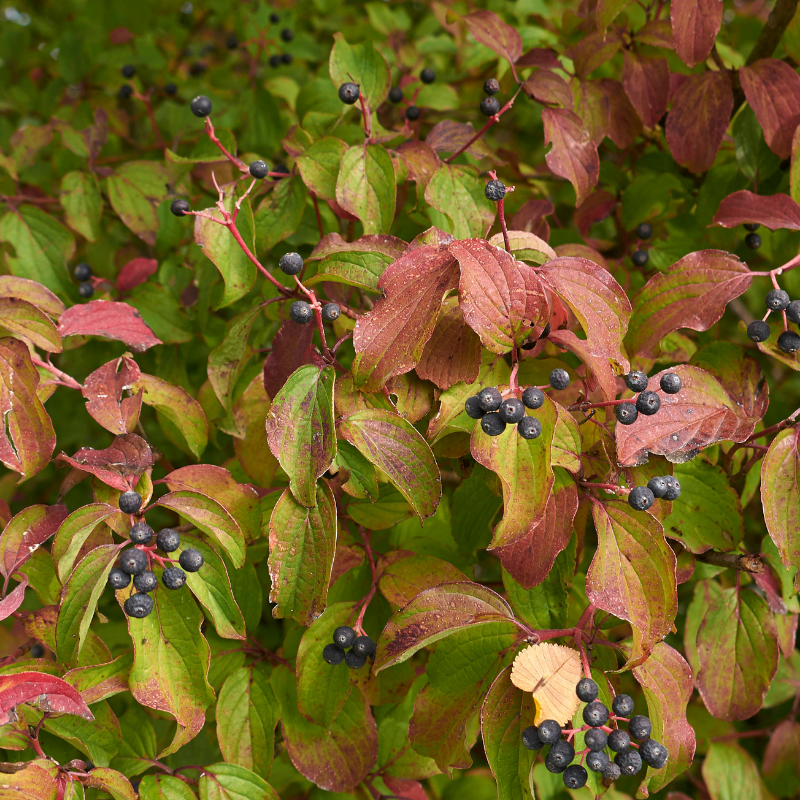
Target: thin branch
<point>737,561</point>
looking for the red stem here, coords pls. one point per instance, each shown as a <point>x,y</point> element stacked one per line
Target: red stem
<point>237,162</point>
<point>64,379</point>
<point>608,487</point>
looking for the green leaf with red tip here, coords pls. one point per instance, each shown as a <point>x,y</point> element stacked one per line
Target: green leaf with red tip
<point>135,190</point>
<point>164,787</point>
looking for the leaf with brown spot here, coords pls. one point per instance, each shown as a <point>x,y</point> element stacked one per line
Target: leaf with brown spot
<point>646,82</point>
<point>110,320</point>
<point>695,25</point>
<point>103,391</point>
<point>292,348</point>
<point>126,459</point>
<point>573,154</point>
<point>772,211</point>
<point>33,293</point>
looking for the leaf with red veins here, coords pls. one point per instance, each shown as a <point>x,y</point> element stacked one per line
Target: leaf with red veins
<point>695,25</point>
<point>490,30</point>
<point>600,373</point>
<point>136,271</point>
<point>110,320</point>
<point>502,299</point>
<point>633,574</point>
<point>596,299</point>
<point>453,353</point>
<point>693,293</point>
<point>389,340</point>
<point>772,211</point>
<point>548,88</point>
<point>772,89</point>
<point>103,390</point>
<point>700,115</point>
<point>646,82</point>
<point>127,458</point>
<point>55,695</point>
<point>702,413</point>
<point>13,600</point>
<point>573,155</point>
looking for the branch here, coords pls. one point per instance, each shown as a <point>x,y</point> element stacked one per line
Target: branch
<point>744,563</point>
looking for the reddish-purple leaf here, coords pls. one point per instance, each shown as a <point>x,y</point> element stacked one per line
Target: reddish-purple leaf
<point>292,348</point>
<point>119,466</point>
<point>531,218</point>
<point>54,694</point>
<point>453,353</point>
<point>490,30</point>
<point>374,243</point>
<point>782,756</point>
<point>772,89</point>
<point>657,32</point>
<point>402,787</point>
<point>108,319</point>
<point>446,136</point>
<point>701,111</point>
<point>702,413</point>
<point>13,600</point>
<point>549,88</point>
<point>543,57</point>
<point>768,582</point>
<point>692,294</point>
<point>623,124</point>
<point>573,155</point>
<point>646,82</point>
<point>27,439</point>
<point>502,298</point>
<point>390,339</point>
<point>600,374</point>
<point>26,532</point>
<point>136,271</point>
<point>530,559</point>
<point>593,50</point>
<point>772,211</point>
<point>103,391</point>
<point>607,11</point>
<point>695,25</point>
<point>597,206</point>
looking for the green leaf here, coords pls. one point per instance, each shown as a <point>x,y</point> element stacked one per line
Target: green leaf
<point>101,681</point>
<point>708,514</point>
<point>459,204</point>
<point>99,739</point>
<point>233,782</point>
<point>300,429</point>
<point>237,270</point>
<point>475,507</point>
<point>302,548</point>
<point>366,187</point>
<point>246,729</point>
<point>730,773</point>
<point>362,480</point>
<point>164,787</point>
<point>607,11</point>
<point>42,247</point>
<point>280,214</point>
<point>162,313</point>
<point>139,745</point>
<point>135,190</point>
<point>79,600</point>
<point>757,161</point>
<point>170,665</point>
<point>436,613</point>
<point>205,151</point>
<point>264,126</point>
<point>361,64</point>
<point>355,268</point>
<point>81,200</point>
<point>319,166</point>
<point>29,323</point>
<point>73,533</point>
<point>111,781</point>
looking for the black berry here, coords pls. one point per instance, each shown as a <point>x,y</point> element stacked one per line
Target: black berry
<point>587,690</point>
<point>82,271</point>
<point>274,18</point>
<point>300,312</point>
<point>363,646</point>
<point>511,410</point>
<point>611,772</point>
<point>395,94</point>
<point>758,330</point>
<point>168,540</point>
<point>130,502</point>
<point>491,86</point>
<point>138,605</point>
<point>473,407</point>
<point>125,91</point>
<point>492,425</point>
<point>291,263</point>
<point>793,311</point>
<point>648,403</point>
<point>560,756</point>
<point>530,738</point>
<point>753,241</point>
<point>549,731</point>
<point>559,378</point>
<point>495,191</point>
<point>751,226</point>
<point>671,383</point>
<point>644,230</point>
<point>529,428</point>
<point>332,655</point>
<point>490,399</point>
<point>344,636</point>
<point>618,741</point>
<point>133,561</point>
<point>640,727</point>
<point>197,69</point>
<point>641,498</point>
<point>128,71</point>
<point>653,753</point>
<point>596,739</point>
<point>640,258</point>
<point>118,578</point>
<point>636,381</point>
<point>286,58</point>
<point>287,35</point>
<point>595,714</point>
<point>37,651</point>
<point>789,342</point>
<point>330,312</point>
<point>259,169</point>
<point>626,413</point>
<point>348,93</point>
<point>171,89</point>
<point>412,113</point>
<point>427,75</point>
<point>141,533</point>
<point>533,397</point>
<point>353,660</point>
<point>173,578</point>
<point>145,581</point>
<point>191,559</point>
<point>622,704</point>
<point>777,300</point>
<point>628,761</point>
<point>179,207</point>
<point>489,106</point>
<point>201,106</point>
<point>673,488</point>
<point>575,776</point>
<point>597,761</point>
<point>281,169</point>
<point>232,42</point>
<point>85,290</point>
<point>275,60</point>
<point>658,486</point>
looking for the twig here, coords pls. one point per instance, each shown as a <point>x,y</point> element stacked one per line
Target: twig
<point>237,162</point>
<point>63,378</point>
<point>737,561</point>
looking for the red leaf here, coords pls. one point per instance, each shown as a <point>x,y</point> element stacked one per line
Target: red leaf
<point>600,373</point>
<point>702,413</point>
<point>118,466</point>
<point>26,532</point>
<point>542,57</point>
<point>112,320</point>
<point>646,82</point>
<point>692,294</point>
<point>103,392</point>
<point>502,298</point>
<point>768,582</point>
<point>573,155</point>
<point>135,272</point>
<point>490,30</point>
<point>13,600</point>
<point>531,218</point>
<point>623,124</point>
<point>405,788</point>
<point>699,117</point>
<point>597,206</point>
<point>375,243</point>
<point>120,36</point>
<point>292,348</point>
<point>695,25</point>
<point>593,51</point>
<point>55,695</point>
<point>772,211</point>
<point>549,88</point>
<point>772,89</point>
<point>446,136</point>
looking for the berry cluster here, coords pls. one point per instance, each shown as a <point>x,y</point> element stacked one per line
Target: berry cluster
<point>347,646</point>
<point>643,231</point>
<point>647,402</point>
<point>300,311</point>
<point>664,487</point>
<point>759,330</point>
<point>599,737</point>
<point>495,412</point>
<point>752,240</point>
<point>83,274</point>
<point>490,105</point>
<point>134,563</point>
